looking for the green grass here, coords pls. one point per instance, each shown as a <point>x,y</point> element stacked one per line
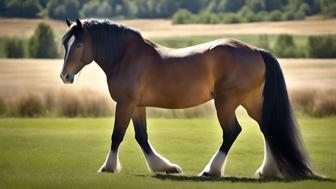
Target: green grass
<point>180,42</point>
<point>66,153</point>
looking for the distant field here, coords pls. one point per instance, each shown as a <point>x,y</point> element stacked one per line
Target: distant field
<point>66,153</point>
<point>159,28</point>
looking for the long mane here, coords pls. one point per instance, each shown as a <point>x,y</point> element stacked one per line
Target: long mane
<point>108,38</point>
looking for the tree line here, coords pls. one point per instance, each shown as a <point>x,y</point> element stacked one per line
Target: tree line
<point>182,11</point>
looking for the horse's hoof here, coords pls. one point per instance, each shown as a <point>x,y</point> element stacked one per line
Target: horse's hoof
<point>174,169</point>
<point>207,174</point>
<point>267,175</point>
<point>203,174</point>
<point>105,170</point>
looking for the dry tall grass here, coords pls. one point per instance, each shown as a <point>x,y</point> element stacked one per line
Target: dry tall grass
<point>315,102</point>
<point>56,103</point>
<point>90,103</point>
<point>80,103</point>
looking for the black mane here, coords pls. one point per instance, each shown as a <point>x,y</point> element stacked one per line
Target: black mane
<point>107,38</point>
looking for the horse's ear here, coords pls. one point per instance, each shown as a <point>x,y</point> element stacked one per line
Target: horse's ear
<point>79,23</point>
<point>68,22</point>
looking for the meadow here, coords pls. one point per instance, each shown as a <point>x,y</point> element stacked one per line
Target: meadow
<point>52,151</point>
<point>66,153</point>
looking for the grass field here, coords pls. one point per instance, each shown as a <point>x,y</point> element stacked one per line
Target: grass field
<point>66,153</point>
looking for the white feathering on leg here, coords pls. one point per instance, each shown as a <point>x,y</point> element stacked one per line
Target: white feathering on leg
<point>268,168</point>
<point>216,165</point>
<point>111,164</point>
<point>158,163</point>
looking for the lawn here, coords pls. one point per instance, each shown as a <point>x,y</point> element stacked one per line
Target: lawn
<point>66,153</point>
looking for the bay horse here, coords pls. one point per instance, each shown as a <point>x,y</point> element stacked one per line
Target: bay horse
<point>143,74</point>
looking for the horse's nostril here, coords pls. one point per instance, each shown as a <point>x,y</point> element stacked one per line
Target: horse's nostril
<point>67,76</point>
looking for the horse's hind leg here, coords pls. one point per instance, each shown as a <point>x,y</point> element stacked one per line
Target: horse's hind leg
<point>155,161</point>
<point>253,106</point>
<point>225,108</point>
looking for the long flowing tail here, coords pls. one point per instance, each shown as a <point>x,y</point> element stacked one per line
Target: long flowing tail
<point>279,125</point>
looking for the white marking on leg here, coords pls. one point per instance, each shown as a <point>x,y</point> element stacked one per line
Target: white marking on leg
<point>111,164</point>
<point>216,165</point>
<point>269,167</point>
<point>158,163</point>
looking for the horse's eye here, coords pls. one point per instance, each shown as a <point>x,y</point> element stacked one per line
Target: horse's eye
<point>79,45</point>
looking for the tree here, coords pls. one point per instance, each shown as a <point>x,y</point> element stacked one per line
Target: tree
<point>97,9</point>
<point>247,14</point>
<point>275,16</point>
<point>182,16</point>
<point>232,6</point>
<point>42,43</point>
<point>61,9</point>
<point>232,18</point>
<point>263,42</point>
<point>256,5</point>
<point>322,46</point>
<point>195,7</point>
<point>271,5</point>
<point>19,8</point>
<point>2,8</point>
<point>14,48</point>
<point>328,8</point>
<point>285,47</point>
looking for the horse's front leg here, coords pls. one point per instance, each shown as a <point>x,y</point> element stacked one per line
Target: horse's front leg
<point>122,118</point>
<point>155,161</point>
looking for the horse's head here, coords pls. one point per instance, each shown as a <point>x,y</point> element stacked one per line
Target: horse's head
<point>78,50</point>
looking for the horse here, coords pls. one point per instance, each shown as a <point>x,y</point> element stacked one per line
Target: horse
<point>141,73</point>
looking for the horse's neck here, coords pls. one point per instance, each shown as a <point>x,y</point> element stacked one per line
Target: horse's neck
<point>103,64</point>
<point>132,47</point>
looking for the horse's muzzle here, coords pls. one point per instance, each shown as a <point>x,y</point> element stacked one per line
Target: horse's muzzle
<point>67,78</point>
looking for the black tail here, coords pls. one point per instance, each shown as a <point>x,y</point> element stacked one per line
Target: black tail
<point>278,123</point>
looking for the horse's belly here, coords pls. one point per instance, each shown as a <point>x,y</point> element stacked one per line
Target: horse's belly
<point>176,99</point>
